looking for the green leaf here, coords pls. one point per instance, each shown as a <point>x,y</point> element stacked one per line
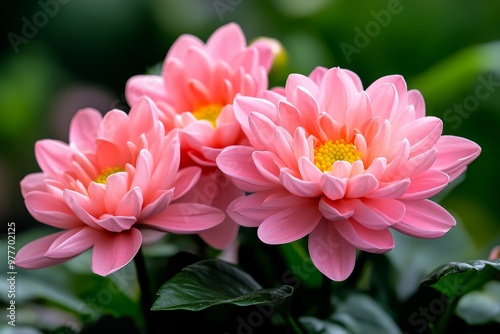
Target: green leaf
<point>481,307</point>
<point>360,314</point>
<point>455,279</point>
<point>318,326</point>
<point>356,314</point>
<point>213,282</point>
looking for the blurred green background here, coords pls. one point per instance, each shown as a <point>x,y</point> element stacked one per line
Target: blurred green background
<point>59,56</point>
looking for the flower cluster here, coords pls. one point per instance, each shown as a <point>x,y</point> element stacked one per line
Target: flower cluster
<point>207,147</point>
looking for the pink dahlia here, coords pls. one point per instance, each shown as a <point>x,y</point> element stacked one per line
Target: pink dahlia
<point>342,165</point>
<point>194,93</point>
<point>110,189</point>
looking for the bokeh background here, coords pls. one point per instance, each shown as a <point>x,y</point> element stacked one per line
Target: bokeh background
<point>59,56</point>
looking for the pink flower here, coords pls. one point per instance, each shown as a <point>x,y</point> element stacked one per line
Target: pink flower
<point>495,253</point>
<point>111,188</point>
<point>195,93</point>
<point>342,165</point>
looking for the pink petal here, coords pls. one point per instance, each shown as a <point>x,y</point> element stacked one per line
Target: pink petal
<point>222,235</point>
<point>377,167</point>
<point>361,237</point>
<point>199,68</point>
<point>111,155</point>
<point>237,162</point>
<point>307,106</point>
<point>113,251</point>
<point>289,116</point>
<point>251,210</point>
<point>378,214</point>
<point>333,187</point>
<point>268,165</point>
<point>336,210</point>
<point>425,219</point>
<point>262,131</point>
<point>393,170</point>
<point>290,224</point>
<point>282,142</point>
<point>143,117</point>
<point>168,166</point>
<point>299,187</point>
<point>116,188</point>
<point>181,46</point>
<point>96,193</point>
<point>226,41</point>
<point>341,169</point>
<point>31,255</point>
<point>426,185</point>
<point>454,154</point>
<point>225,134</point>
<point>330,252</point>
<point>32,182</point>
<point>419,164</point>
<point>145,85</point>
<point>308,170</point>
<point>380,142</point>
<point>54,157</point>
<point>83,129</point>
<point>422,133</point>
<point>160,202</point>
<point>244,105</point>
<point>81,206</point>
<point>114,127</point>
<point>337,90</point>
<point>302,146</point>
<point>360,185</point>
<point>51,210</point>
<point>394,189</point>
<point>246,60</point>
<point>197,93</point>
<point>116,223</point>
<point>185,180</point>
<point>72,243</point>
<point>384,100</point>
<point>143,170</point>
<point>130,204</point>
<point>185,218</point>
<point>359,111</point>
<point>415,98</point>
<point>294,81</point>
<point>264,47</point>
<point>151,236</point>
<point>317,74</point>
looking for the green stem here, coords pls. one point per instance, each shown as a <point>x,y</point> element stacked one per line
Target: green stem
<point>444,320</point>
<point>293,324</point>
<point>146,299</point>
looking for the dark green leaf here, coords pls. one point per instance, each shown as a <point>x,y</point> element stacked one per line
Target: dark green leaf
<point>357,314</point>
<point>213,282</point>
<point>318,326</point>
<point>360,314</point>
<point>455,279</point>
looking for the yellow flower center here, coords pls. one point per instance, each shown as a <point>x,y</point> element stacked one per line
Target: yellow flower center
<point>209,112</point>
<point>326,154</point>
<point>107,172</point>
